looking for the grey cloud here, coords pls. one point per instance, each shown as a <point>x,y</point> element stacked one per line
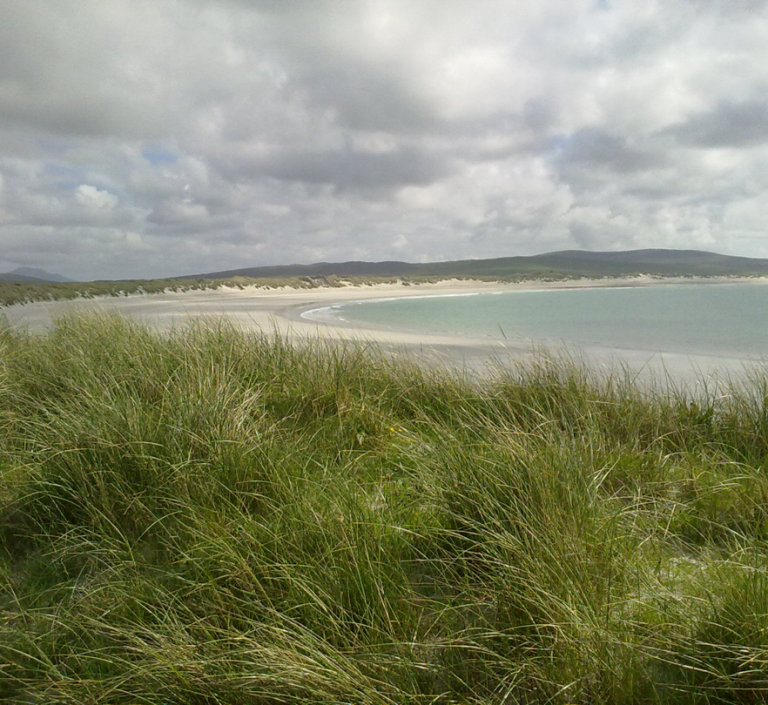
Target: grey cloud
<point>187,214</point>
<point>735,7</point>
<point>347,169</point>
<point>74,248</point>
<point>127,70</point>
<point>58,72</point>
<point>728,124</point>
<point>539,114</point>
<point>369,98</point>
<point>363,89</point>
<point>593,162</point>
<point>594,148</point>
<point>323,52</point>
<point>586,236</point>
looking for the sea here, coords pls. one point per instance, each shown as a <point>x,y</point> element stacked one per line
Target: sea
<point>702,322</point>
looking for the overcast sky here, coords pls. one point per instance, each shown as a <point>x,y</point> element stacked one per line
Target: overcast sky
<point>151,138</point>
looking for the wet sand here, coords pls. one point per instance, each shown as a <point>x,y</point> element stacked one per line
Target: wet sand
<point>280,311</point>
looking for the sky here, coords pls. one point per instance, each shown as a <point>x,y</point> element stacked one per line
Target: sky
<point>154,138</point>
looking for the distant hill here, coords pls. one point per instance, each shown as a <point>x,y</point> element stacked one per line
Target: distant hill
<point>31,275</point>
<point>567,263</point>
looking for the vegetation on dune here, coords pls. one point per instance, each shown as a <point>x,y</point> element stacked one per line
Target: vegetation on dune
<point>211,516</point>
<point>23,293</point>
<point>552,266</point>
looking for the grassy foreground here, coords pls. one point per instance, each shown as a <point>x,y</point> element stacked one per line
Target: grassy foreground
<point>212,517</point>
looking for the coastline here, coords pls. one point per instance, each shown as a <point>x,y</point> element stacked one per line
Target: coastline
<point>280,311</point>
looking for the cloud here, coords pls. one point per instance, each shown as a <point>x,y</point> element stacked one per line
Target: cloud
<point>594,149</point>
<point>183,213</point>
<point>153,137</point>
<point>92,198</point>
<point>728,124</point>
<point>348,168</point>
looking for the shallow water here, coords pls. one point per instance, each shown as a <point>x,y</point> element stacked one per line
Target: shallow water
<point>721,320</point>
<point>690,329</point>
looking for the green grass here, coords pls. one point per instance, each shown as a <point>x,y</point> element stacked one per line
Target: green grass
<point>21,292</point>
<point>12,293</point>
<point>209,517</point>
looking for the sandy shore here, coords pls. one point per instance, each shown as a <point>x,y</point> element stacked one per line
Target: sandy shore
<point>281,310</point>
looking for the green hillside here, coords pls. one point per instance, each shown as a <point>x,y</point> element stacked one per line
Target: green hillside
<point>568,263</point>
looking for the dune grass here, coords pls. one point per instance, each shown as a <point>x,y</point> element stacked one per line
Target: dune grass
<point>214,517</point>
<point>12,293</point>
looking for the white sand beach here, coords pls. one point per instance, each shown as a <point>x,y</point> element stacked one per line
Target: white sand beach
<point>279,310</point>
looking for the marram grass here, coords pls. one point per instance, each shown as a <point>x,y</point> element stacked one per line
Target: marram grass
<point>214,517</point>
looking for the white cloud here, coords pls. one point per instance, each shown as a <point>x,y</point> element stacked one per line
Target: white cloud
<point>93,199</point>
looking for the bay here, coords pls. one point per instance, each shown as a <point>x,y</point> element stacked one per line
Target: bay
<point>725,320</point>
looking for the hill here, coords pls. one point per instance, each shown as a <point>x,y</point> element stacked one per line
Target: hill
<point>31,275</point>
<point>567,263</point>
<point>20,287</point>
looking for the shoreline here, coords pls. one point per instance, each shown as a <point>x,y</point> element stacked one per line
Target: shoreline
<point>281,308</point>
<point>280,311</point>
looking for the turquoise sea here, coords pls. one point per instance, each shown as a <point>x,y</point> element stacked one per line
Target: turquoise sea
<point>723,320</point>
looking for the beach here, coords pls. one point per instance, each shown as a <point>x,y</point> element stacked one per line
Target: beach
<point>280,310</point>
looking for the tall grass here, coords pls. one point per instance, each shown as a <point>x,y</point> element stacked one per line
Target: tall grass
<point>210,516</point>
